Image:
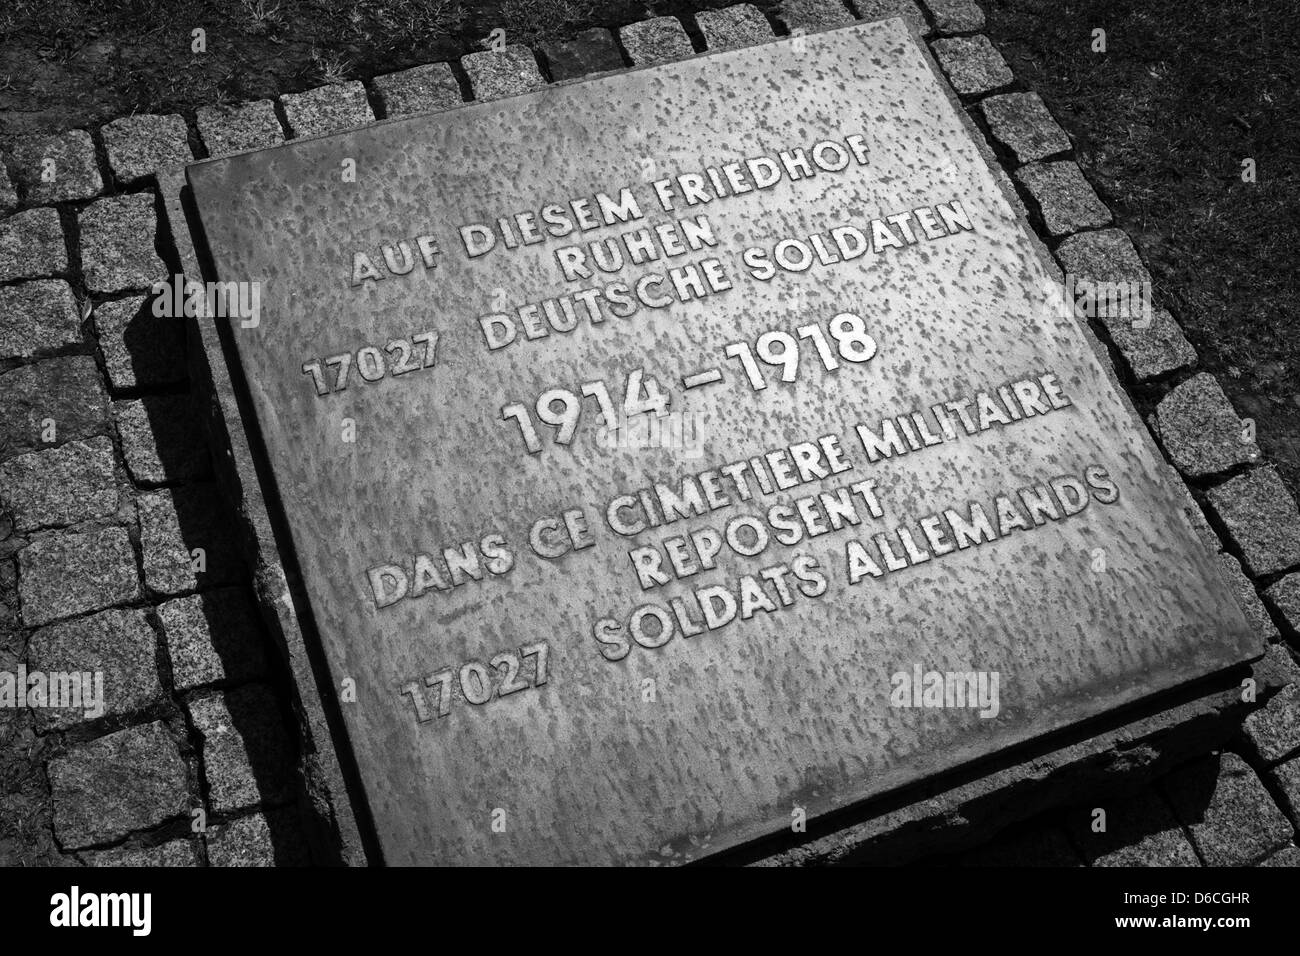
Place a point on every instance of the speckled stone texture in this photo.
(32, 245)
(733, 27)
(138, 145)
(171, 854)
(233, 129)
(327, 109)
(1286, 777)
(1284, 594)
(57, 168)
(65, 391)
(161, 439)
(1022, 124)
(591, 51)
(809, 15)
(130, 780)
(60, 485)
(1273, 731)
(213, 637)
(421, 89)
(261, 839)
(8, 193)
(1140, 830)
(1248, 599)
(1224, 805)
(1200, 430)
(1066, 201)
(37, 317)
(247, 756)
(119, 643)
(62, 573)
(972, 64)
(659, 40)
(1098, 258)
(1261, 517)
(1151, 350)
(117, 243)
(140, 349)
(955, 16)
(883, 9)
(494, 74)
(174, 523)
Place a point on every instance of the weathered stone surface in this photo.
(1287, 856)
(880, 9)
(1200, 524)
(1036, 845)
(1274, 729)
(1261, 517)
(972, 64)
(1286, 778)
(37, 317)
(494, 74)
(1150, 349)
(1140, 831)
(263, 839)
(138, 145)
(1248, 599)
(171, 854)
(60, 485)
(31, 245)
(161, 439)
(591, 51)
(68, 572)
(327, 109)
(1284, 595)
(1064, 197)
(955, 16)
(809, 15)
(174, 523)
(213, 637)
(365, 495)
(733, 27)
(1275, 669)
(118, 643)
(421, 89)
(233, 129)
(247, 756)
(1200, 429)
(140, 349)
(1021, 123)
(66, 392)
(117, 243)
(57, 168)
(8, 194)
(1229, 813)
(130, 780)
(658, 40)
(1105, 256)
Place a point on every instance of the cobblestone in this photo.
(1227, 810)
(60, 399)
(118, 643)
(213, 637)
(972, 64)
(63, 573)
(1284, 595)
(171, 854)
(137, 146)
(1261, 518)
(161, 440)
(60, 486)
(37, 317)
(421, 89)
(140, 349)
(58, 168)
(1151, 350)
(263, 839)
(1067, 202)
(955, 16)
(247, 756)
(883, 9)
(1022, 124)
(117, 243)
(174, 523)
(734, 27)
(233, 129)
(494, 74)
(327, 109)
(809, 15)
(32, 246)
(591, 51)
(1140, 831)
(130, 780)
(1200, 429)
(658, 40)
(1274, 730)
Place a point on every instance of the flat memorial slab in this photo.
(646, 442)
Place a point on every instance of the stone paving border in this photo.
(79, 368)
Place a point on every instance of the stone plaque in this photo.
(674, 455)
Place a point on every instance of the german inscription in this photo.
(673, 454)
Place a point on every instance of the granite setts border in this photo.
(132, 168)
